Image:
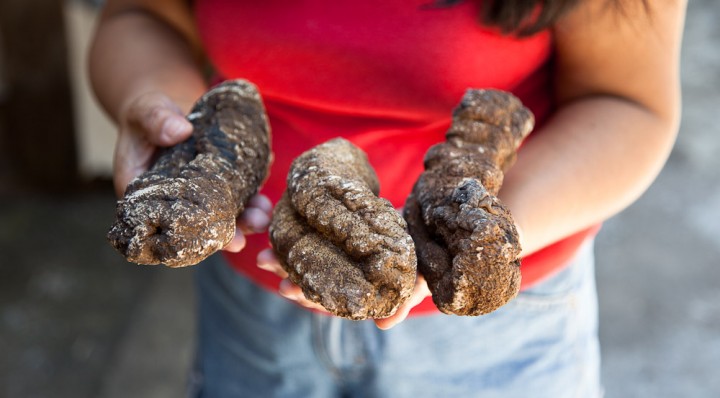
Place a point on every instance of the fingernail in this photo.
(286, 290)
(265, 256)
(384, 326)
(261, 202)
(287, 295)
(176, 127)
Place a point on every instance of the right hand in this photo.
(153, 120)
(147, 122)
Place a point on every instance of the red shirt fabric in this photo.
(384, 74)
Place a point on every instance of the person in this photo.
(601, 77)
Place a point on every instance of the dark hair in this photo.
(520, 17)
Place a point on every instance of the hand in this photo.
(149, 121)
(153, 120)
(266, 260)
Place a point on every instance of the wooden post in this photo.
(37, 130)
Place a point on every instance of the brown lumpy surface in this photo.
(184, 208)
(466, 240)
(344, 246)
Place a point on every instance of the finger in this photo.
(421, 287)
(521, 239)
(420, 292)
(402, 312)
(237, 243)
(253, 220)
(160, 118)
(267, 260)
(132, 156)
(290, 290)
(293, 292)
(391, 321)
(310, 304)
(175, 129)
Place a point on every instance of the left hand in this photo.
(266, 260)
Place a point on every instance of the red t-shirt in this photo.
(384, 74)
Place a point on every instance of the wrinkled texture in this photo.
(184, 208)
(344, 246)
(467, 244)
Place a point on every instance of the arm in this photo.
(618, 90)
(145, 68)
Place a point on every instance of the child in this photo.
(601, 77)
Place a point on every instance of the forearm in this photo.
(135, 53)
(591, 160)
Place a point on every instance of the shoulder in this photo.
(627, 49)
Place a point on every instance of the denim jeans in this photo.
(254, 343)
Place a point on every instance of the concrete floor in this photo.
(77, 321)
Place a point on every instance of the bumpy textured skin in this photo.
(466, 240)
(184, 208)
(346, 248)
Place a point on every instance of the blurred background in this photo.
(77, 321)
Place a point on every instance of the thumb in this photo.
(160, 118)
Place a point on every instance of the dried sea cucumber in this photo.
(344, 246)
(467, 244)
(184, 208)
